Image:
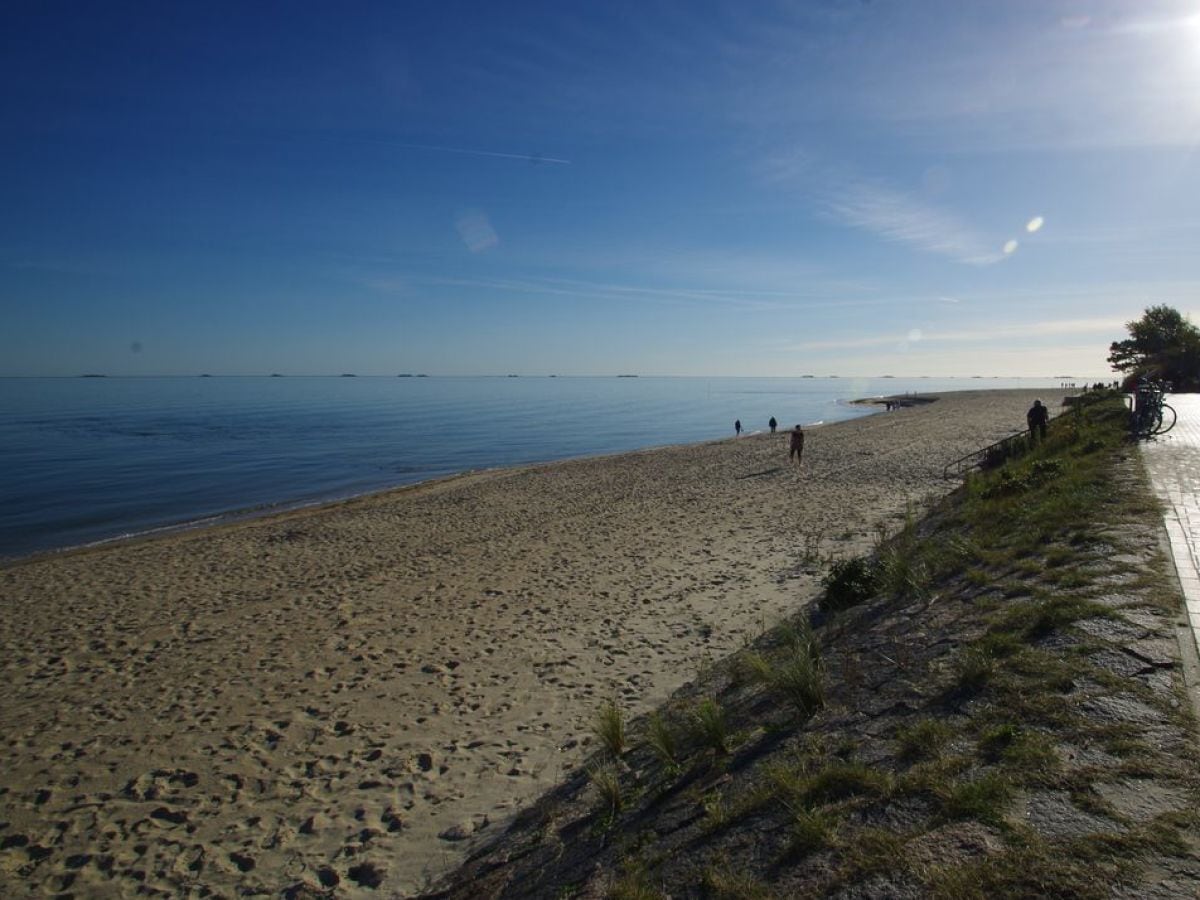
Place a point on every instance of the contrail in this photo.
(466, 152)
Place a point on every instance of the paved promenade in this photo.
(1173, 461)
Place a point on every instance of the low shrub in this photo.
(849, 582)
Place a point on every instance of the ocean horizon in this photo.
(91, 459)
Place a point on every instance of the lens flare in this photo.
(1034, 224)
(476, 231)
(1010, 247)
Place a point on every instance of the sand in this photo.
(353, 695)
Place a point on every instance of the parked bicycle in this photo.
(1150, 415)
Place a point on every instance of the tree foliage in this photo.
(1162, 344)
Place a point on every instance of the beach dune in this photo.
(348, 696)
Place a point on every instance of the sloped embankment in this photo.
(992, 705)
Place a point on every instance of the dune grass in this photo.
(609, 726)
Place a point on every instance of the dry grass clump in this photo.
(609, 727)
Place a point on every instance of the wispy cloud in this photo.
(979, 77)
(383, 284)
(898, 216)
(1153, 26)
(885, 211)
(749, 300)
(991, 332)
(465, 151)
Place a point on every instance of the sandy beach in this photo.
(348, 696)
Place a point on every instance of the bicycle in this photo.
(1150, 415)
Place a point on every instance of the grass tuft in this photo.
(984, 799)
(796, 672)
(848, 583)
(606, 782)
(923, 740)
(609, 727)
(724, 884)
(661, 737)
(976, 667)
(634, 885)
(840, 780)
(711, 726)
(811, 830)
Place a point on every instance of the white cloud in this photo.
(897, 216)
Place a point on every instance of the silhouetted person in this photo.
(737, 426)
(1037, 417)
(771, 424)
(796, 447)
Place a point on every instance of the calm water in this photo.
(87, 459)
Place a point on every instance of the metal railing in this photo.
(1016, 444)
(990, 456)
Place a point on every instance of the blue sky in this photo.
(701, 188)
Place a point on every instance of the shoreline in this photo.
(369, 686)
(289, 507)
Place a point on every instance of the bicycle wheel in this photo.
(1165, 420)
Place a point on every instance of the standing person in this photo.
(737, 426)
(796, 447)
(1037, 417)
(771, 424)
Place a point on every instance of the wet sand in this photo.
(351, 695)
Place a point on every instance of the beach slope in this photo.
(350, 695)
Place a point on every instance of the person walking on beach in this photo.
(796, 448)
(737, 426)
(771, 424)
(1037, 417)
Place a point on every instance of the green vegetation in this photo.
(722, 884)
(710, 725)
(840, 780)
(609, 727)
(635, 884)
(849, 583)
(1162, 344)
(985, 799)
(606, 782)
(975, 669)
(795, 672)
(812, 830)
(923, 740)
(663, 740)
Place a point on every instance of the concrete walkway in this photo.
(1173, 461)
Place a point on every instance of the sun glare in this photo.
(1034, 224)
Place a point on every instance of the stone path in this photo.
(1173, 461)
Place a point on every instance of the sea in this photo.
(92, 459)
